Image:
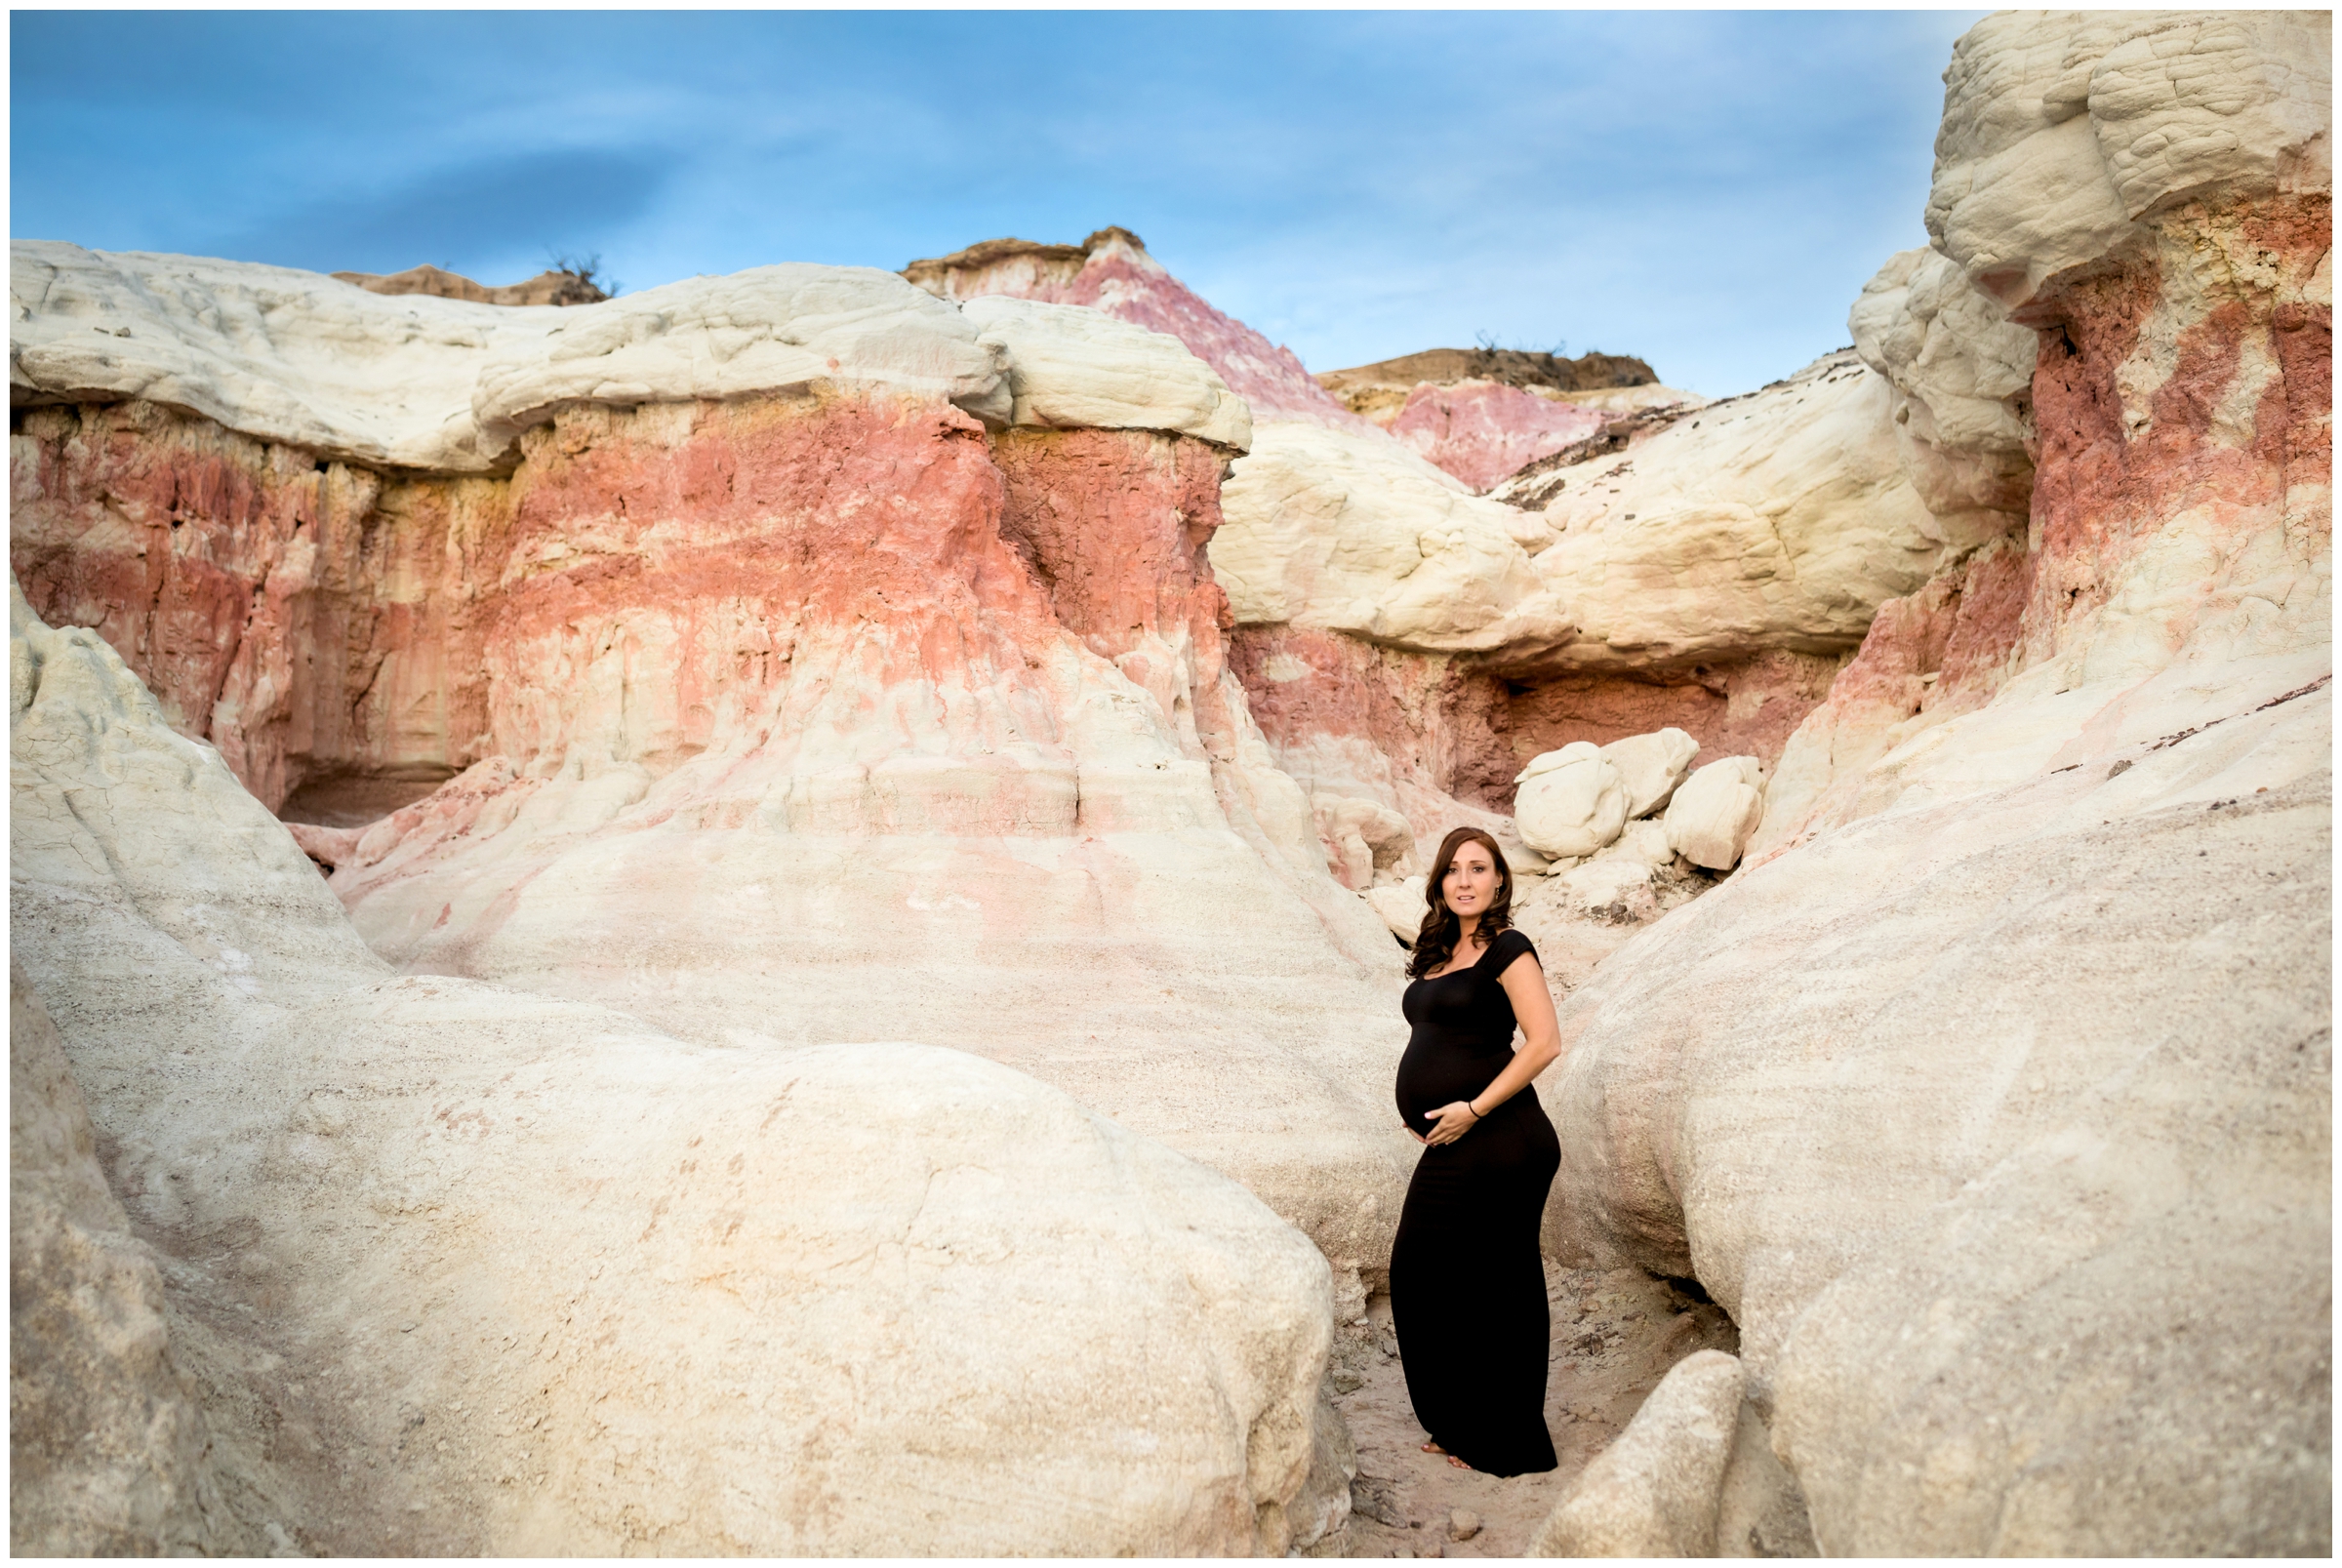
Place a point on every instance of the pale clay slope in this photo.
(618, 1276)
(445, 385)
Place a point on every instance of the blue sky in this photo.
(1706, 190)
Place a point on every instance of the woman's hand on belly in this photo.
(1449, 1122)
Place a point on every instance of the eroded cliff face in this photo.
(2030, 1255)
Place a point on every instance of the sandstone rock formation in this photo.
(1712, 816)
(522, 1275)
(1651, 766)
(1653, 1493)
(1994, 1099)
(916, 700)
(1572, 801)
(1483, 414)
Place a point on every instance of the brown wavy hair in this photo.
(1435, 942)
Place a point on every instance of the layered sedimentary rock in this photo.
(1995, 1105)
(869, 710)
(523, 1276)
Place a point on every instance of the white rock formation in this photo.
(1780, 519)
(1994, 1099)
(585, 1288)
(2062, 130)
(1653, 1492)
(1650, 766)
(1069, 367)
(1348, 530)
(1714, 813)
(1365, 841)
(1571, 802)
(1401, 905)
(445, 384)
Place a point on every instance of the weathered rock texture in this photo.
(1997, 1109)
(525, 1276)
(2151, 194)
(869, 712)
(109, 1454)
(1653, 1493)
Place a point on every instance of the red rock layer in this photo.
(1447, 725)
(2235, 437)
(2107, 477)
(642, 584)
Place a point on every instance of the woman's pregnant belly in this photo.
(1438, 1070)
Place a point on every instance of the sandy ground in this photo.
(1614, 1336)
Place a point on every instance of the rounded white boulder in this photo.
(1571, 802)
(1651, 766)
(1715, 811)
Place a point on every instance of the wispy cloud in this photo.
(1709, 189)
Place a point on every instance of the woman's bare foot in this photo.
(1457, 1463)
(1434, 1448)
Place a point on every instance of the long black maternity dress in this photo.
(1467, 1285)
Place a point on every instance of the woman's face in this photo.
(1470, 886)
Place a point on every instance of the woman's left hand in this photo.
(1455, 1119)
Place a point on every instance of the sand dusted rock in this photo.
(1571, 802)
(109, 1454)
(1714, 813)
(1781, 519)
(577, 1286)
(1653, 1492)
(1651, 766)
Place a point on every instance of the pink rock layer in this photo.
(1113, 273)
(1482, 433)
(642, 583)
(2109, 479)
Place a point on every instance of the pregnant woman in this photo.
(1467, 1284)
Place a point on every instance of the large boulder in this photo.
(1712, 816)
(1572, 802)
(1651, 766)
(549, 1282)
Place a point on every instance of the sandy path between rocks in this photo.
(1614, 1335)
